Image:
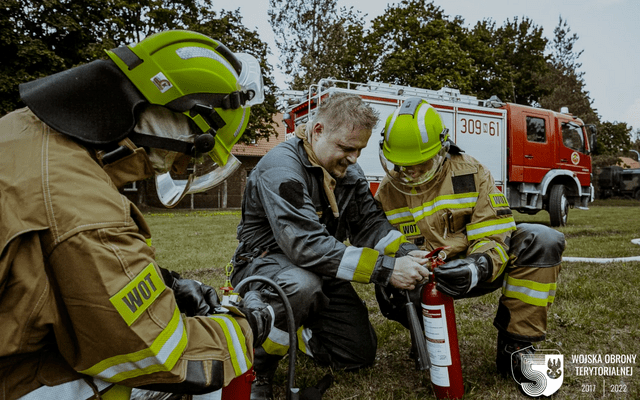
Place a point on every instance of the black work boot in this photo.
(262, 387)
(265, 366)
(509, 357)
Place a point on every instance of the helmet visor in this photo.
(250, 79)
(205, 175)
(414, 175)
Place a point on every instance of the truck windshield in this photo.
(572, 136)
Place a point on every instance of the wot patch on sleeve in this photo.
(498, 200)
(292, 192)
(133, 299)
(463, 184)
(410, 229)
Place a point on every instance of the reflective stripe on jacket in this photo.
(285, 210)
(461, 208)
(80, 292)
(80, 389)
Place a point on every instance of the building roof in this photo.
(262, 146)
(628, 163)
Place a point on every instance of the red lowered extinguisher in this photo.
(439, 319)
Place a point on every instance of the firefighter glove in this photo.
(393, 302)
(259, 314)
(456, 278)
(193, 298)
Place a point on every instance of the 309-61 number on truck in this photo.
(475, 126)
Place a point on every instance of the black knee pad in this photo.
(535, 245)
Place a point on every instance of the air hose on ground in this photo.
(604, 260)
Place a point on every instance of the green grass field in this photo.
(596, 310)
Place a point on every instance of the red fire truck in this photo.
(539, 158)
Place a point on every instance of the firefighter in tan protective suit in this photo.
(439, 196)
(86, 311)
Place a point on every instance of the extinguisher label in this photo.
(440, 376)
(435, 329)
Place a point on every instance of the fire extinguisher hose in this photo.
(418, 340)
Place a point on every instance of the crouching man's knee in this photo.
(535, 245)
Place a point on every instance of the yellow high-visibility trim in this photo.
(392, 248)
(236, 343)
(276, 349)
(117, 392)
(503, 257)
(399, 215)
(478, 245)
(366, 264)
(162, 355)
(301, 344)
(530, 300)
(449, 201)
(530, 292)
(488, 228)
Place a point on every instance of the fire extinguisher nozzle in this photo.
(418, 339)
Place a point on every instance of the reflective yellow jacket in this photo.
(460, 208)
(80, 291)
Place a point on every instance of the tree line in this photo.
(412, 43)
(415, 43)
(39, 38)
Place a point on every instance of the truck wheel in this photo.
(637, 195)
(558, 206)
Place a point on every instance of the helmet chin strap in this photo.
(202, 144)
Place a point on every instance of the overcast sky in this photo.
(608, 31)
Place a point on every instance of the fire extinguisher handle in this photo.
(418, 338)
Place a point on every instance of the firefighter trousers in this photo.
(528, 285)
(332, 321)
(528, 282)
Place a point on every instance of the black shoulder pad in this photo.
(293, 192)
(463, 184)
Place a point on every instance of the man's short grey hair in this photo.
(344, 110)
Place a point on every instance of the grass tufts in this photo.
(596, 310)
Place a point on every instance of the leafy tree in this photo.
(346, 56)
(486, 81)
(416, 44)
(316, 40)
(41, 38)
(224, 29)
(509, 60)
(613, 138)
(636, 141)
(565, 82)
(24, 55)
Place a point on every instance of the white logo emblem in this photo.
(161, 82)
(544, 371)
(575, 158)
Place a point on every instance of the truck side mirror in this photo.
(593, 133)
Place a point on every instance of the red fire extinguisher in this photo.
(439, 319)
